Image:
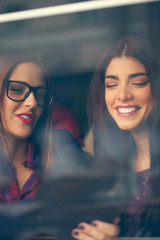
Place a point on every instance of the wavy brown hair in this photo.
(132, 46)
(112, 142)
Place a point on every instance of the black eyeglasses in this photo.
(19, 91)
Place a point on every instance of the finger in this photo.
(107, 228)
(91, 231)
(78, 234)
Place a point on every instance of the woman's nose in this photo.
(124, 93)
(30, 101)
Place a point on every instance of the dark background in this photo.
(70, 45)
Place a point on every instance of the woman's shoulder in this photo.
(62, 137)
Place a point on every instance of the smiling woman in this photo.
(125, 117)
(128, 93)
(25, 107)
(20, 116)
(25, 126)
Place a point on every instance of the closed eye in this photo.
(17, 90)
(111, 85)
(140, 83)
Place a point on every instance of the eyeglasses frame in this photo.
(31, 89)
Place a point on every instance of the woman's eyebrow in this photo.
(111, 76)
(137, 75)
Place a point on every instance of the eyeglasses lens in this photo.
(40, 96)
(17, 91)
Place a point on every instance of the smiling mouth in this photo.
(127, 110)
(26, 116)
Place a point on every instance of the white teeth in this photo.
(26, 117)
(127, 110)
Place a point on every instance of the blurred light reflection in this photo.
(67, 8)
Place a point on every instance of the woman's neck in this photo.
(142, 157)
(15, 150)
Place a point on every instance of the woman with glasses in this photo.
(125, 116)
(25, 131)
(25, 124)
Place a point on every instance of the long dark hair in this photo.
(139, 49)
(109, 140)
(41, 137)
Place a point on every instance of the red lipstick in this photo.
(26, 117)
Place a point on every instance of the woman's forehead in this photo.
(28, 72)
(125, 64)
